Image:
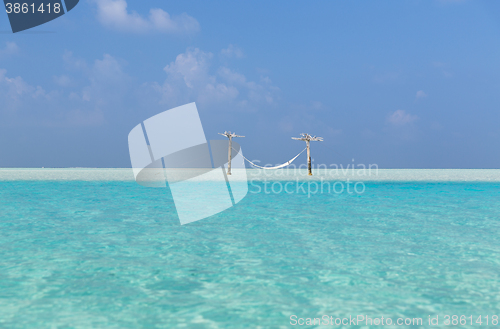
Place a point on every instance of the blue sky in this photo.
(403, 84)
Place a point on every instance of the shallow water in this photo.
(111, 254)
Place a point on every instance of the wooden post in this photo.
(230, 136)
(309, 157)
(229, 156)
(308, 138)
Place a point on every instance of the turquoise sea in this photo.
(92, 249)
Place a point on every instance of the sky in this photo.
(400, 84)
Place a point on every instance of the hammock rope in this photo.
(276, 167)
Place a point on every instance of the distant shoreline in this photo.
(381, 175)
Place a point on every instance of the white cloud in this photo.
(105, 71)
(73, 63)
(108, 69)
(179, 24)
(232, 51)
(114, 14)
(421, 94)
(62, 80)
(436, 126)
(22, 103)
(334, 132)
(450, 1)
(387, 77)
(217, 93)
(443, 67)
(16, 88)
(108, 83)
(286, 124)
(317, 105)
(307, 117)
(190, 78)
(11, 48)
(89, 92)
(400, 118)
(231, 76)
(103, 87)
(78, 117)
(191, 66)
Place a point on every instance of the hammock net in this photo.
(276, 167)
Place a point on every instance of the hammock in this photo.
(277, 167)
